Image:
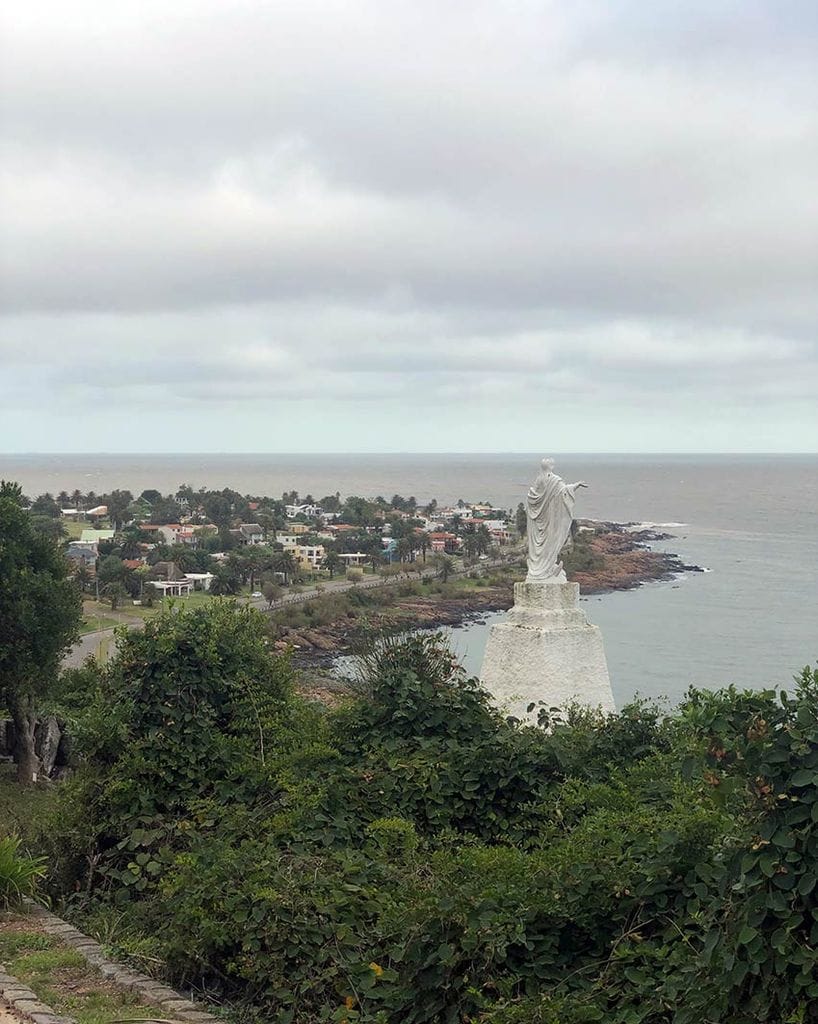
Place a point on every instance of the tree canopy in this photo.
(40, 611)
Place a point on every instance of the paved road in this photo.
(98, 642)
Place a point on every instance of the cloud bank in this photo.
(385, 226)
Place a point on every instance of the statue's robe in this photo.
(549, 507)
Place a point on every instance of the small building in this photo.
(498, 529)
(354, 558)
(170, 533)
(249, 534)
(83, 553)
(200, 580)
(444, 543)
(99, 512)
(309, 555)
(173, 588)
(167, 570)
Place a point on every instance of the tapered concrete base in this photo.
(546, 651)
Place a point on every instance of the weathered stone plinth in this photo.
(546, 651)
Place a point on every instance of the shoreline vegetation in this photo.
(603, 557)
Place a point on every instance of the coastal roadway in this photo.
(98, 643)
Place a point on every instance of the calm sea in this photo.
(751, 520)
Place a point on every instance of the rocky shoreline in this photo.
(627, 558)
(621, 560)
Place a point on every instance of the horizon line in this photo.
(395, 452)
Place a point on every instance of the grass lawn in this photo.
(74, 529)
(59, 976)
(93, 622)
(127, 610)
(95, 611)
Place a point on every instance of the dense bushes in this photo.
(415, 858)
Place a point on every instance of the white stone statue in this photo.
(549, 507)
(546, 653)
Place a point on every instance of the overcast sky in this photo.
(386, 226)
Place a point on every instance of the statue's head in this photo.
(548, 465)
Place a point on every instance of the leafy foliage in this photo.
(183, 714)
(414, 857)
(40, 612)
(19, 874)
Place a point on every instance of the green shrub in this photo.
(190, 708)
(393, 836)
(19, 874)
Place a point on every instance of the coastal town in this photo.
(136, 550)
(414, 562)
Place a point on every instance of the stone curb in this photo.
(17, 996)
(150, 991)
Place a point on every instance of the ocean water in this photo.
(752, 520)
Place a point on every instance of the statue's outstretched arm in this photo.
(579, 483)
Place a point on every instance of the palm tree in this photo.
(225, 582)
(257, 559)
(470, 542)
(284, 562)
(445, 567)
(404, 549)
(331, 562)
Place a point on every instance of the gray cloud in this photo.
(464, 207)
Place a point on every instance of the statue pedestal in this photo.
(546, 651)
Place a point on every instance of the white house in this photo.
(498, 528)
(203, 579)
(310, 511)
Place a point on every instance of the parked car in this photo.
(257, 593)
